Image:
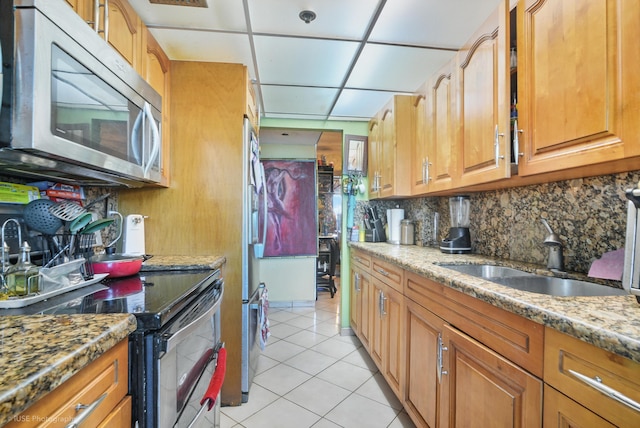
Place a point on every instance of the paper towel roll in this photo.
(394, 217)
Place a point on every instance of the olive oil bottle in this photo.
(22, 278)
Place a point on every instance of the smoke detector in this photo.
(307, 16)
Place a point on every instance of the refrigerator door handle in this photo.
(259, 248)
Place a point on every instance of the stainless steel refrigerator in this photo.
(253, 240)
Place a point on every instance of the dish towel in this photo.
(263, 318)
(609, 266)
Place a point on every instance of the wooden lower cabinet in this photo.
(577, 369)
(386, 345)
(453, 380)
(360, 292)
(423, 338)
(359, 300)
(105, 377)
(562, 412)
(456, 361)
(393, 340)
(480, 388)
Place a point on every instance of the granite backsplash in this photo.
(589, 214)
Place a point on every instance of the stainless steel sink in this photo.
(487, 271)
(533, 283)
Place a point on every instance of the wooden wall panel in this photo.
(200, 213)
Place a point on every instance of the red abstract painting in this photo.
(292, 211)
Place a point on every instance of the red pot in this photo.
(116, 265)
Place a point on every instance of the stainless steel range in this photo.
(176, 348)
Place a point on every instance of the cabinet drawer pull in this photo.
(86, 411)
(607, 390)
(382, 272)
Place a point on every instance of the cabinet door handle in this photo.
(381, 300)
(426, 167)
(86, 411)
(496, 145)
(96, 17)
(441, 348)
(356, 283)
(516, 142)
(607, 390)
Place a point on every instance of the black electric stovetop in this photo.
(153, 297)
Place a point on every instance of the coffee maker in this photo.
(458, 241)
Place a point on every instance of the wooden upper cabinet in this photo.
(433, 160)
(442, 131)
(577, 79)
(123, 32)
(121, 26)
(420, 155)
(395, 133)
(374, 158)
(387, 161)
(483, 109)
(156, 70)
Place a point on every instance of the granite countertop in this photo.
(40, 352)
(608, 322)
(163, 262)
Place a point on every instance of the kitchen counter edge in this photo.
(40, 352)
(608, 322)
(180, 262)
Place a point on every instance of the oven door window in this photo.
(87, 111)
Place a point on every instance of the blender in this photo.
(458, 240)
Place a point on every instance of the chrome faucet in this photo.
(555, 261)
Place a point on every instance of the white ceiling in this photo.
(344, 65)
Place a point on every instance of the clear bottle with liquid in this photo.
(23, 277)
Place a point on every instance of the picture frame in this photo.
(355, 155)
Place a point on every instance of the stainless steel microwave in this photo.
(72, 107)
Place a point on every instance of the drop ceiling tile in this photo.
(297, 100)
(359, 103)
(296, 61)
(335, 18)
(396, 68)
(192, 45)
(435, 23)
(221, 15)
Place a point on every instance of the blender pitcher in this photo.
(458, 240)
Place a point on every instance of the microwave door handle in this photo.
(135, 136)
(155, 140)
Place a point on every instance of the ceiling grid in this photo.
(345, 64)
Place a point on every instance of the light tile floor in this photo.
(310, 376)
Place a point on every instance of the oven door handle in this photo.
(172, 340)
(209, 399)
